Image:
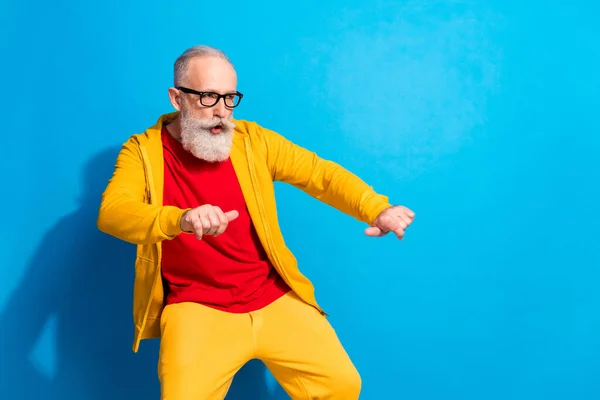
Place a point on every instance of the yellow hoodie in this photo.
(132, 206)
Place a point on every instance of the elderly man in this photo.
(214, 278)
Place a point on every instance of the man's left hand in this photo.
(394, 219)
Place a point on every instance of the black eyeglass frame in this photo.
(219, 96)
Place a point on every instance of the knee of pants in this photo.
(346, 384)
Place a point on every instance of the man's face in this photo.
(207, 129)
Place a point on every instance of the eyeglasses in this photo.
(210, 99)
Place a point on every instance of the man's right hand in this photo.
(206, 220)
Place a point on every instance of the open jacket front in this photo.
(132, 206)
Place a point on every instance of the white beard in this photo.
(197, 138)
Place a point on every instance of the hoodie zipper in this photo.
(151, 196)
(262, 214)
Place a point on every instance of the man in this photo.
(214, 278)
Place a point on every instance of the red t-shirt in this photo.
(230, 272)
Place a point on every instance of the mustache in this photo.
(208, 124)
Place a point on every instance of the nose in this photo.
(219, 109)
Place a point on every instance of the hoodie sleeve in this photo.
(322, 179)
(125, 212)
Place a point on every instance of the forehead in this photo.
(211, 73)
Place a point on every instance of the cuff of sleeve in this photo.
(170, 220)
(372, 205)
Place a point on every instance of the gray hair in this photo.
(183, 61)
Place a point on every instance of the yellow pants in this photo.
(202, 348)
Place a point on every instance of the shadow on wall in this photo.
(77, 293)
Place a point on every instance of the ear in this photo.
(175, 98)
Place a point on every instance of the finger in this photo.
(374, 231)
(393, 224)
(205, 223)
(231, 215)
(223, 221)
(404, 220)
(214, 222)
(399, 233)
(198, 228)
(398, 225)
(410, 213)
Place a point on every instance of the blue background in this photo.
(481, 116)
